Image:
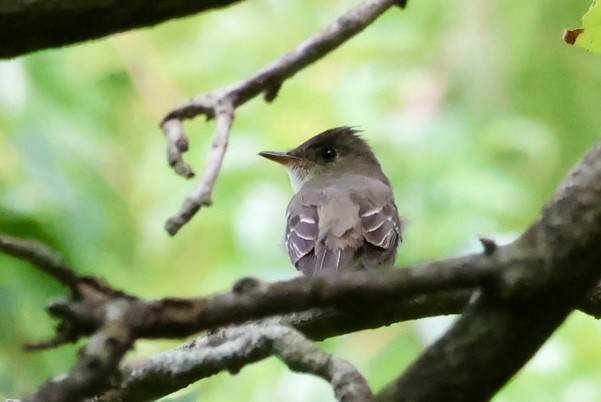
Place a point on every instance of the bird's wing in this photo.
(302, 228)
(328, 229)
(382, 228)
(314, 249)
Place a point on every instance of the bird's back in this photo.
(347, 223)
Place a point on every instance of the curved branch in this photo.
(202, 195)
(236, 347)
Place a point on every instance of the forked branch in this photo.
(222, 103)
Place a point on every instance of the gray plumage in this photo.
(343, 215)
(351, 227)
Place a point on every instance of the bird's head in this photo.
(334, 152)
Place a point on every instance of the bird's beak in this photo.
(283, 158)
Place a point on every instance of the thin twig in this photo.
(489, 245)
(42, 256)
(177, 144)
(201, 196)
(221, 103)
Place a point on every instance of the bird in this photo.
(342, 216)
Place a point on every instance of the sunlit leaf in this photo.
(589, 36)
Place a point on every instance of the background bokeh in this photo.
(476, 110)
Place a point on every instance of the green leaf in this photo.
(589, 36)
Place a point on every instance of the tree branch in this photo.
(97, 364)
(231, 349)
(251, 299)
(321, 323)
(95, 309)
(499, 333)
(223, 102)
(30, 25)
(159, 375)
(41, 256)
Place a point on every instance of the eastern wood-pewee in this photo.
(343, 214)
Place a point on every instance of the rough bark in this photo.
(556, 261)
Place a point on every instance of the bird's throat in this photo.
(298, 177)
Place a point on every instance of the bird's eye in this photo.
(328, 154)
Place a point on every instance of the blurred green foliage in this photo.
(477, 110)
